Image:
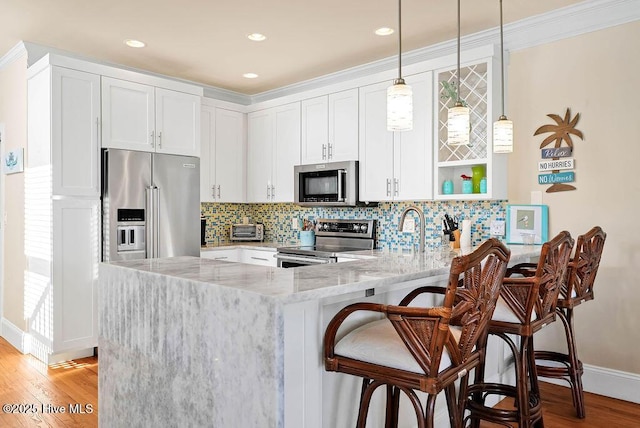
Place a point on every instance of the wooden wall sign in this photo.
(558, 154)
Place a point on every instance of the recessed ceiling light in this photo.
(250, 75)
(256, 37)
(384, 31)
(132, 43)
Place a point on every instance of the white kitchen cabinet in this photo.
(273, 148)
(76, 257)
(479, 87)
(396, 165)
(223, 148)
(63, 115)
(226, 255)
(62, 211)
(330, 128)
(259, 257)
(141, 117)
(251, 256)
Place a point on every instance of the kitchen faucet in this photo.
(422, 224)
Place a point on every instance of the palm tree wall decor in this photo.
(561, 133)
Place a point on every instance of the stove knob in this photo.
(325, 226)
(363, 228)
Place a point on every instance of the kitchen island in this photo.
(187, 341)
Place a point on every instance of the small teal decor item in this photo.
(12, 161)
(467, 184)
(307, 238)
(447, 187)
(483, 185)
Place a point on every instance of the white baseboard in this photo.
(24, 343)
(607, 382)
(16, 337)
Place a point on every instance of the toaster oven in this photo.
(247, 232)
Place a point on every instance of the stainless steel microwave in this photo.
(326, 184)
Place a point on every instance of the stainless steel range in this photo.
(332, 237)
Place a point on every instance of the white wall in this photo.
(13, 113)
(595, 75)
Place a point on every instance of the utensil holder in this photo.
(307, 238)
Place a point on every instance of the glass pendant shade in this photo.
(458, 125)
(503, 135)
(399, 106)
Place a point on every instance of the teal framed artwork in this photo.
(527, 224)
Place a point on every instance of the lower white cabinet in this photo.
(259, 257)
(61, 278)
(76, 256)
(251, 256)
(227, 255)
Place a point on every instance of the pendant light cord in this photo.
(400, 40)
(458, 71)
(502, 58)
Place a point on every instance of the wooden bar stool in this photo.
(577, 289)
(526, 305)
(415, 348)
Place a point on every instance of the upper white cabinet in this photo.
(63, 116)
(330, 127)
(396, 165)
(223, 154)
(478, 88)
(141, 117)
(273, 148)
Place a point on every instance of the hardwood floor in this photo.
(25, 380)
(37, 391)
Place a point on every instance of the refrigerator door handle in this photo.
(156, 221)
(152, 205)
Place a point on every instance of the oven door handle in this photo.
(341, 173)
(309, 260)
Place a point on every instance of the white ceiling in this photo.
(205, 40)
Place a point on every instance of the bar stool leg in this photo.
(575, 365)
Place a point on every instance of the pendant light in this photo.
(503, 127)
(399, 95)
(458, 118)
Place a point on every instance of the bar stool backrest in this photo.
(583, 268)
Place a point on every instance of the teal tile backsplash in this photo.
(277, 219)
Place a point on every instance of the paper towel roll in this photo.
(465, 236)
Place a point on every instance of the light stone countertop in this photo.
(370, 269)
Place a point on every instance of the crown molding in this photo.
(14, 53)
(570, 21)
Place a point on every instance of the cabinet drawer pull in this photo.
(218, 191)
(396, 186)
(260, 258)
(160, 139)
(388, 187)
(153, 138)
(330, 152)
(324, 152)
(220, 258)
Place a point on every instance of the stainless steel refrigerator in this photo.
(150, 205)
